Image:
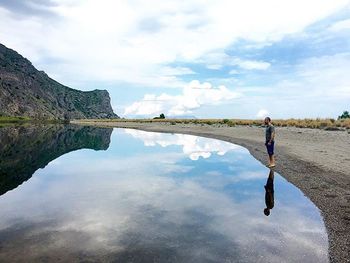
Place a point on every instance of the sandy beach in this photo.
(314, 160)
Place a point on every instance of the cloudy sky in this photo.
(203, 58)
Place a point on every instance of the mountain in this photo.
(25, 91)
(20, 157)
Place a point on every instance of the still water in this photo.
(87, 194)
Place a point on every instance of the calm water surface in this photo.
(70, 193)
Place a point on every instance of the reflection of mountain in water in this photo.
(25, 149)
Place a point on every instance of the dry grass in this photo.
(301, 123)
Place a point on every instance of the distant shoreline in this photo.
(318, 123)
(316, 161)
(19, 120)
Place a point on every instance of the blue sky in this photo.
(209, 59)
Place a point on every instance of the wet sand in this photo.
(314, 160)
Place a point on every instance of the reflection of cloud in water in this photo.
(138, 209)
(102, 207)
(193, 146)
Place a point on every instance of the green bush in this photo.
(345, 115)
(161, 116)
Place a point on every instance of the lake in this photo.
(87, 194)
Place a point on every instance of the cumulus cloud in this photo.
(325, 76)
(319, 84)
(120, 44)
(340, 25)
(251, 64)
(132, 42)
(233, 72)
(194, 95)
(219, 59)
(262, 113)
(175, 71)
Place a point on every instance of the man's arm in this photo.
(272, 135)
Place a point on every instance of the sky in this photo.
(201, 58)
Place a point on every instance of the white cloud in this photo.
(214, 66)
(319, 84)
(218, 59)
(325, 76)
(340, 25)
(193, 96)
(262, 113)
(176, 71)
(233, 72)
(251, 64)
(132, 41)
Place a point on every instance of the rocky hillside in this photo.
(25, 91)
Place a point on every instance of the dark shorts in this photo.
(270, 148)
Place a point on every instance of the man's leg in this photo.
(271, 154)
(272, 159)
(268, 153)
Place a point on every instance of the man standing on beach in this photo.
(270, 141)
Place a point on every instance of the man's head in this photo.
(267, 120)
(267, 211)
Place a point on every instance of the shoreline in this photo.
(315, 161)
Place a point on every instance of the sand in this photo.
(314, 160)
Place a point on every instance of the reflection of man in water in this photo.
(269, 197)
(270, 141)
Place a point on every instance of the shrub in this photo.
(345, 115)
(161, 116)
(225, 121)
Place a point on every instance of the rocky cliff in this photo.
(25, 91)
